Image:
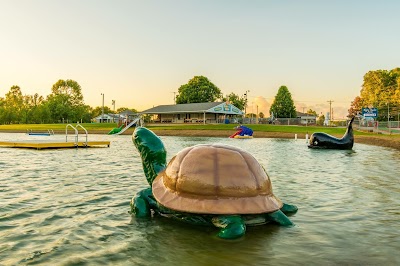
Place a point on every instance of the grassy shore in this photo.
(220, 130)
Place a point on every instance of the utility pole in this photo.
(245, 102)
(113, 103)
(102, 110)
(330, 111)
(257, 115)
(174, 97)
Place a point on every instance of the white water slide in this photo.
(128, 126)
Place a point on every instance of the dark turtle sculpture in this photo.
(320, 140)
(216, 185)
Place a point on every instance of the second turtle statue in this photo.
(216, 185)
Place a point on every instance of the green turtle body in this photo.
(215, 185)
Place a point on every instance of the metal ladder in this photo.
(76, 134)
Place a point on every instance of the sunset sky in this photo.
(139, 53)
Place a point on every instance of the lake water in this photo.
(70, 207)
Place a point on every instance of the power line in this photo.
(295, 100)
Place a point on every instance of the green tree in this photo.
(320, 120)
(98, 111)
(66, 101)
(122, 109)
(251, 115)
(312, 112)
(27, 106)
(356, 107)
(283, 105)
(198, 90)
(86, 113)
(2, 110)
(237, 101)
(380, 89)
(44, 114)
(13, 105)
(36, 109)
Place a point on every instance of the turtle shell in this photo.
(215, 179)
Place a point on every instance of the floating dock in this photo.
(48, 144)
(56, 144)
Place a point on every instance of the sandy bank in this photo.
(379, 140)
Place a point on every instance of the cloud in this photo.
(339, 111)
(261, 103)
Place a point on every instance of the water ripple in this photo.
(63, 207)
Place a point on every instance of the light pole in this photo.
(257, 116)
(252, 112)
(330, 111)
(245, 102)
(174, 97)
(113, 103)
(102, 110)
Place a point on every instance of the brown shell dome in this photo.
(215, 179)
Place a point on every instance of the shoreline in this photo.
(376, 140)
(381, 140)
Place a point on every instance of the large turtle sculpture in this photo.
(216, 185)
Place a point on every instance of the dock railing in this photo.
(76, 133)
(79, 125)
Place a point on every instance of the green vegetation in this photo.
(283, 105)
(259, 128)
(236, 100)
(198, 90)
(64, 105)
(381, 90)
(94, 128)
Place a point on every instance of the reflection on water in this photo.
(71, 207)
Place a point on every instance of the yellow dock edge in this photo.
(53, 145)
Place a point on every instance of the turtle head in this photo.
(152, 152)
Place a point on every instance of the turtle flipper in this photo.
(289, 209)
(232, 226)
(279, 217)
(142, 203)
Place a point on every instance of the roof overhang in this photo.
(225, 108)
(222, 108)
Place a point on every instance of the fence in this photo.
(379, 127)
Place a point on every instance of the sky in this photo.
(139, 53)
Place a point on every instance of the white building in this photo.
(109, 118)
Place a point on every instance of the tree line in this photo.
(200, 89)
(64, 104)
(381, 90)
